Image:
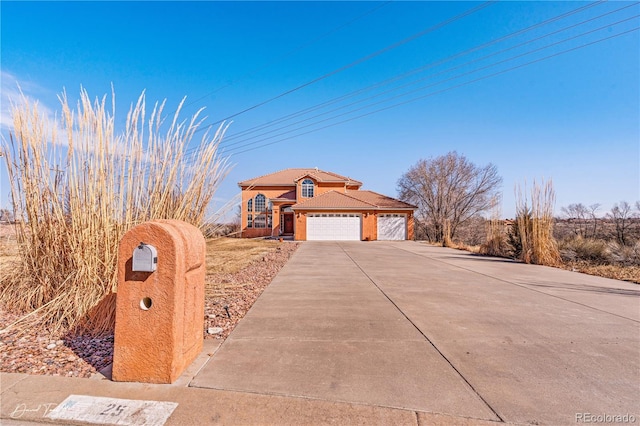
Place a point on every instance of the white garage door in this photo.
(392, 226)
(333, 226)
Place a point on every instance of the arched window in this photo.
(250, 205)
(307, 188)
(261, 204)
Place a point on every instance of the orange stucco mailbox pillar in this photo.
(160, 301)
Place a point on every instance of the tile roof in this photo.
(291, 176)
(382, 201)
(289, 195)
(334, 199)
(368, 200)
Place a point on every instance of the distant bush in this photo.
(587, 249)
(626, 255)
(496, 243)
(599, 251)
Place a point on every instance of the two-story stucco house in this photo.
(312, 204)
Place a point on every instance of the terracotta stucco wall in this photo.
(369, 226)
(410, 226)
(301, 226)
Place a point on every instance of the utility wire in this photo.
(431, 76)
(414, 71)
(290, 53)
(350, 65)
(238, 150)
(424, 67)
(358, 61)
(446, 89)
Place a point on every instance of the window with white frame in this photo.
(260, 221)
(260, 203)
(307, 188)
(262, 217)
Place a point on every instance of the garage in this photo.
(333, 226)
(392, 226)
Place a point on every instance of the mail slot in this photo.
(145, 258)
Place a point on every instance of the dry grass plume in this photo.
(535, 225)
(78, 185)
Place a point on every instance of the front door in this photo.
(288, 223)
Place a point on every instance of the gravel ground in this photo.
(228, 298)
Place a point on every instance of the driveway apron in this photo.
(402, 324)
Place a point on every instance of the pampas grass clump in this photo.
(78, 186)
(534, 223)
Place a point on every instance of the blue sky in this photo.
(559, 101)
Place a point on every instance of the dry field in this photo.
(229, 255)
(8, 247)
(617, 272)
(238, 270)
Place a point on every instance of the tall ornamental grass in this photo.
(78, 185)
(496, 240)
(534, 221)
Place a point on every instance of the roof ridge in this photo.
(272, 173)
(315, 198)
(261, 176)
(292, 175)
(307, 172)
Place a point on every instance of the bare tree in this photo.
(577, 215)
(621, 214)
(6, 215)
(594, 218)
(449, 190)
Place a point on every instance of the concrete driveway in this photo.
(406, 325)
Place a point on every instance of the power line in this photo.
(434, 75)
(358, 61)
(291, 52)
(350, 65)
(415, 71)
(238, 150)
(422, 68)
(446, 89)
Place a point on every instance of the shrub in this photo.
(586, 249)
(496, 243)
(626, 255)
